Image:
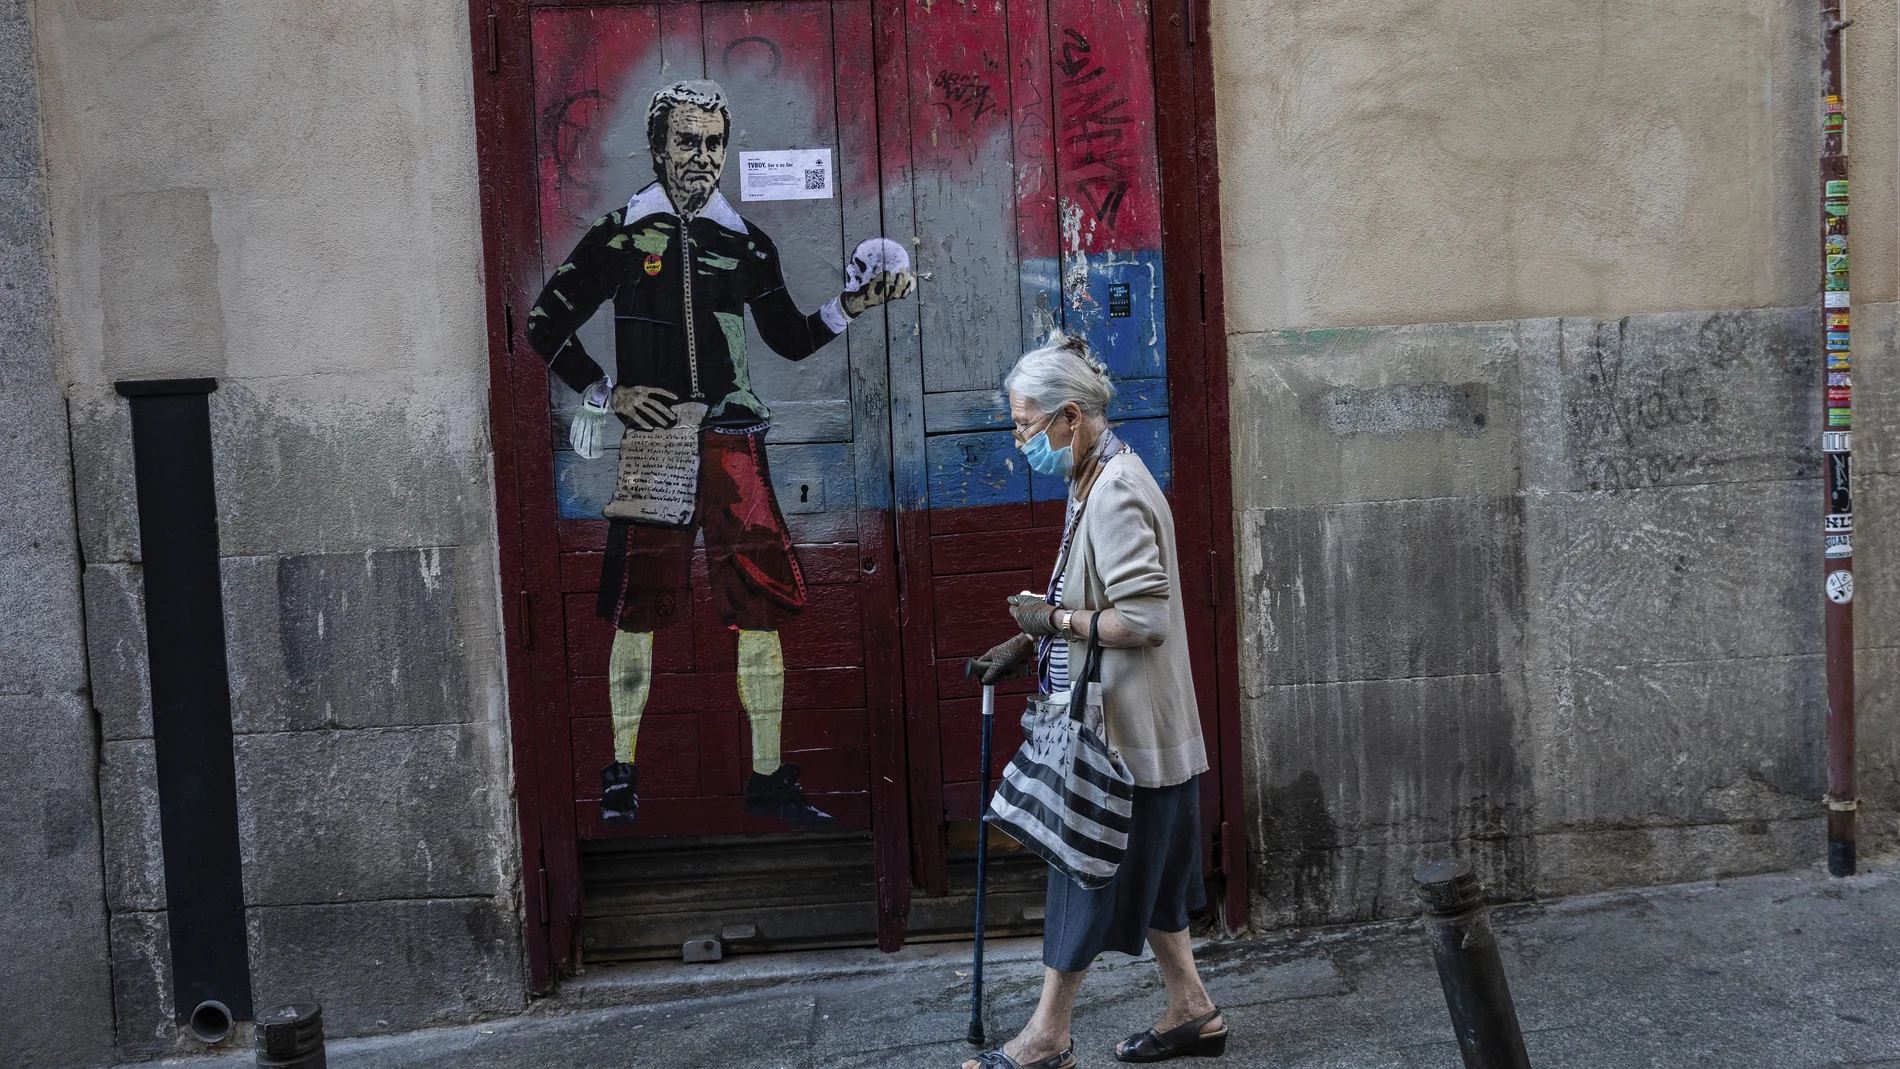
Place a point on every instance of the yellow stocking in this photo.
(762, 692)
(629, 680)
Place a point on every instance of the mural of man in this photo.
(681, 267)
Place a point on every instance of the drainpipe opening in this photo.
(210, 1022)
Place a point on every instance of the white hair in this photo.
(1063, 370)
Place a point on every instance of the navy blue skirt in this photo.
(1157, 886)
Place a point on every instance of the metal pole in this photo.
(1469, 969)
(291, 1037)
(982, 869)
(1837, 459)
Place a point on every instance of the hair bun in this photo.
(1078, 346)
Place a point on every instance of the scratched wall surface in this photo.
(290, 205)
(1548, 599)
(1526, 427)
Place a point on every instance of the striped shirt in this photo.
(1055, 651)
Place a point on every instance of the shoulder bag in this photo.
(1066, 796)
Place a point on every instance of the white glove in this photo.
(587, 431)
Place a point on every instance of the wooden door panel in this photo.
(810, 688)
(595, 70)
(589, 638)
(674, 735)
(1032, 154)
(963, 752)
(1014, 146)
(967, 609)
(953, 554)
(723, 815)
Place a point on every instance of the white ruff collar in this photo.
(653, 199)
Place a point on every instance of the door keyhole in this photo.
(804, 492)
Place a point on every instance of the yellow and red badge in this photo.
(653, 263)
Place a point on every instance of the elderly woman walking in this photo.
(1117, 576)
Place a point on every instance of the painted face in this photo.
(695, 156)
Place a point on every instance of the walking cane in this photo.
(982, 858)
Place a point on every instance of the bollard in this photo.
(291, 1037)
(1469, 969)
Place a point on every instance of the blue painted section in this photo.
(1139, 399)
(582, 487)
(1149, 437)
(1134, 346)
(808, 478)
(971, 470)
(977, 468)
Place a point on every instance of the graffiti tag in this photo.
(1094, 115)
(967, 94)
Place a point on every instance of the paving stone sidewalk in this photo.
(1785, 971)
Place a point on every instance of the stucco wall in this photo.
(1526, 385)
(1406, 161)
(283, 196)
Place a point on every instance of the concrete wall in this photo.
(56, 975)
(1526, 376)
(283, 195)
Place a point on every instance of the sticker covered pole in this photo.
(1837, 457)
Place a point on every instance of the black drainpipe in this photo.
(191, 702)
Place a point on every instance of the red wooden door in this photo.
(797, 76)
(595, 69)
(1016, 147)
(1024, 136)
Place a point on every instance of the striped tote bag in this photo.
(1066, 796)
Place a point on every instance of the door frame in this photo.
(527, 536)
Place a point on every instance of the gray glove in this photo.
(1006, 661)
(1035, 616)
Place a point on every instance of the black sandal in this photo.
(1183, 1041)
(996, 1059)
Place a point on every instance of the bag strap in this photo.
(1069, 528)
(1091, 671)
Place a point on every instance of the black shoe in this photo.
(618, 803)
(779, 795)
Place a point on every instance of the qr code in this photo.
(814, 178)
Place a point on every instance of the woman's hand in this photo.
(1006, 661)
(1035, 616)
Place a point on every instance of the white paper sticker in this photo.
(787, 174)
(1836, 298)
(1840, 587)
(1837, 441)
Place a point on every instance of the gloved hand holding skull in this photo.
(879, 271)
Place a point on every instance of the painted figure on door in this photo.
(681, 266)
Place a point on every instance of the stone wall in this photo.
(57, 976)
(1526, 395)
(284, 197)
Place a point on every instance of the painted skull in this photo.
(872, 256)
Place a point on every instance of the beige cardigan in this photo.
(1122, 556)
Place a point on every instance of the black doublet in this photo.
(637, 263)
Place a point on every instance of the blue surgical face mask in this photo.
(1048, 461)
